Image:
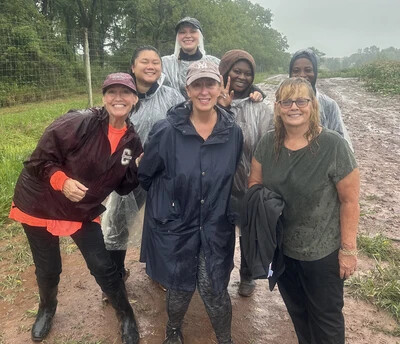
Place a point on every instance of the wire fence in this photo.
(33, 69)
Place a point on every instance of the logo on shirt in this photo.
(126, 156)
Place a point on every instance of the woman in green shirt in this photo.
(314, 170)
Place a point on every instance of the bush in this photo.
(382, 76)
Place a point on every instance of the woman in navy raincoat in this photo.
(188, 167)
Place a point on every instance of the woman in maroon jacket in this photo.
(81, 157)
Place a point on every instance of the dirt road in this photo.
(374, 125)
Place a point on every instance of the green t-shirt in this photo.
(306, 179)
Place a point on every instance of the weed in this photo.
(11, 282)
(378, 247)
(380, 286)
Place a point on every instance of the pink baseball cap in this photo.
(123, 79)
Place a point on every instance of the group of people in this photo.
(208, 137)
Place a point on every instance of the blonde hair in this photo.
(286, 89)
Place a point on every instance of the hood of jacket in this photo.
(179, 114)
(309, 55)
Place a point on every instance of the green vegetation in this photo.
(343, 73)
(42, 41)
(382, 76)
(380, 286)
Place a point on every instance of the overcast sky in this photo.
(336, 27)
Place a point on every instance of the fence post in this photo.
(87, 65)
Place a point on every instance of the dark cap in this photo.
(123, 79)
(202, 69)
(188, 20)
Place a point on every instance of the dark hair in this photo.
(138, 50)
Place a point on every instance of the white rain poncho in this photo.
(331, 116)
(255, 119)
(120, 223)
(175, 70)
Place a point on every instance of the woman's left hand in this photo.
(347, 264)
(256, 97)
(226, 97)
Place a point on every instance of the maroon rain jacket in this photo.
(77, 144)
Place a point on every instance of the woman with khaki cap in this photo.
(188, 168)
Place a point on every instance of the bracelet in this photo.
(346, 252)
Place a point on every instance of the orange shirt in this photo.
(63, 227)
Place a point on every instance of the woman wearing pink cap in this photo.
(80, 159)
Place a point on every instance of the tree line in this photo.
(42, 40)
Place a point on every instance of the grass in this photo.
(380, 286)
(344, 73)
(20, 129)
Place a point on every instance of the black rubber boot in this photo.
(173, 336)
(119, 300)
(45, 314)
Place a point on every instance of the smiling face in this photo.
(118, 101)
(241, 76)
(147, 68)
(303, 68)
(188, 38)
(295, 116)
(204, 93)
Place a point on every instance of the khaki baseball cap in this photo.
(202, 69)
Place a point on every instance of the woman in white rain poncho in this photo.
(189, 47)
(155, 100)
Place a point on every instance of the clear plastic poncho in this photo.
(175, 70)
(121, 223)
(255, 119)
(331, 116)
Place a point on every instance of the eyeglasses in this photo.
(300, 102)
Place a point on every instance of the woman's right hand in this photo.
(74, 190)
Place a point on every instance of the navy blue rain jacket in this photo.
(189, 183)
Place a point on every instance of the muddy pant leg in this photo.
(118, 257)
(89, 240)
(318, 297)
(218, 305)
(45, 249)
(177, 306)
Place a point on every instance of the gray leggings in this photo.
(218, 305)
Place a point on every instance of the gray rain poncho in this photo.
(175, 69)
(120, 219)
(331, 116)
(255, 119)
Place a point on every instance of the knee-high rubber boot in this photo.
(45, 314)
(119, 300)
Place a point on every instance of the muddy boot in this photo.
(173, 336)
(126, 274)
(119, 300)
(45, 314)
(246, 286)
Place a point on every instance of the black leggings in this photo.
(218, 305)
(45, 249)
